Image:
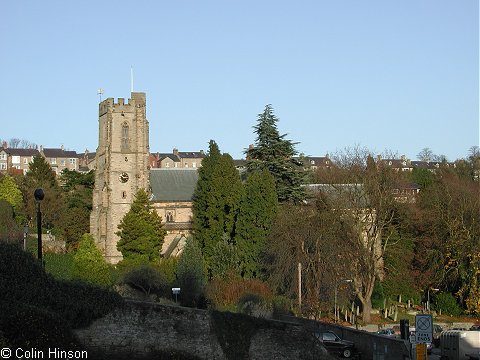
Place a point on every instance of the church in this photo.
(122, 168)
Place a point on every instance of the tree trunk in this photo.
(367, 309)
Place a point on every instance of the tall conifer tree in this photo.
(216, 200)
(141, 231)
(257, 211)
(276, 154)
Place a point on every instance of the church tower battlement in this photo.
(121, 167)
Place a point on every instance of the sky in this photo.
(395, 76)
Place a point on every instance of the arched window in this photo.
(125, 141)
(169, 216)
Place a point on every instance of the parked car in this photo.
(386, 332)
(475, 327)
(335, 345)
(437, 331)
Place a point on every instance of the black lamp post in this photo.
(39, 194)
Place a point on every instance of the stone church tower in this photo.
(121, 168)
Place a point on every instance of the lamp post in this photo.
(335, 300)
(39, 194)
(428, 297)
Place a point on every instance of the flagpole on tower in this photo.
(100, 92)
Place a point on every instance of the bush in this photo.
(168, 268)
(23, 280)
(253, 305)
(447, 304)
(89, 264)
(226, 294)
(26, 325)
(281, 306)
(59, 265)
(378, 296)
(148, 280)
(192, 276)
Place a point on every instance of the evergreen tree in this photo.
(192, 275)
(41, 175)
(89, 264)
(224, 259)
(77, 189)
(257, 211)
(216, 200)
(41, 171)
(276, 154)
(141, 231)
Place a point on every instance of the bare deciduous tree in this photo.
(363, 190)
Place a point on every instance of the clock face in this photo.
(123, 177)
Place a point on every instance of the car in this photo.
(386, 332)
(437, 331)
(335, 345)
(475, 327)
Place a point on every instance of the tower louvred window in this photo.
(125, 130)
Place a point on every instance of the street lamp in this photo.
(336, 289)
(428, 297)
(39, 194)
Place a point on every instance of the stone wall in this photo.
(139, 329)
(371, 346)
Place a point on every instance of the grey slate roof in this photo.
(173, 157)
(59, 153)
(22, 152)
(173, 184)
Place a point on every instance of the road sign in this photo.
(424, 328)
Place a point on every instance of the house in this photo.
(402, 164)
(60, 159)
(16, 161)
(177, 159)
(317, 162)
(86, 161)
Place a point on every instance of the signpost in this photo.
(175, 292)
(424, 328)
(423, 334)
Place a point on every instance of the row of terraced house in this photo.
(17, 160)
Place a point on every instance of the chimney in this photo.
(41, 148)
(175, 151)
(61, 147)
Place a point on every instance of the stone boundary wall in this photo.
(138, 329)
(372, 346)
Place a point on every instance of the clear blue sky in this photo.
(396, 75)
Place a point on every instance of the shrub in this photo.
(447, 304)
(147, 279)
(192, 276)
(227, 293)
(24, 280)
(59, 265)
(168, 268)
(26, 325)
(378, 295)
(89, 264)
(252, 304)
(281, 306)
